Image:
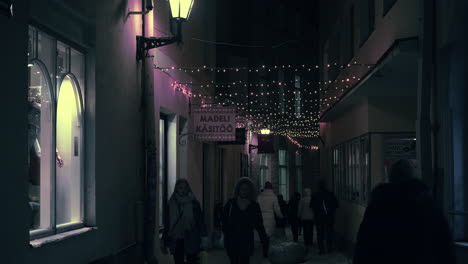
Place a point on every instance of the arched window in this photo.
(69, 137)
(40, 145)
(55, 135)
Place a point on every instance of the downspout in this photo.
(425, 87)
(438, 191)
(149, 160)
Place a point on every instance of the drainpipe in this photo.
(149, 147)
(425, 88)
(437, 173)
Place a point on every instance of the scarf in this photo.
(181, 215)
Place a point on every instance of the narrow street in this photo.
(155, 131)
(312, 257)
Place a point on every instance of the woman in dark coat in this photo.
(184, 225)
(241, 215)
(294, 221)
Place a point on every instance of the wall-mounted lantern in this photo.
(180, 10)
(265, 131)
(6, 8)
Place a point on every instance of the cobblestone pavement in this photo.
(219, 256)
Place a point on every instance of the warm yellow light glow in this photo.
(265, 131)
(181, 8)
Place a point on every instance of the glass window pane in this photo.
(69, 154)
(78, 66)
(32, 41)
(62, 59)
(40, 144)
(282, 157)
(47, 48)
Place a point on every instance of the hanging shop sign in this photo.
(215, 124)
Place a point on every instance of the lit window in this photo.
(283, 178)
(264, 176)
(162, 188)
(55, 158)
(351, 170)
(298, 172)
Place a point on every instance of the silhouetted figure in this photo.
(293, 209)
(282, 222)
(402, 225)
(241, 215)
(218, 214)
(324, 205)
(184, 225)
(217, 235)
(307, 217)
(270, 208)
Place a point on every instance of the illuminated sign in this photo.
(215, 124)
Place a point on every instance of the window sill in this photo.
(36, 243)
(461, 244)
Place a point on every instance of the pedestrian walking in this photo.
(293, 218)
(306, 215)
(282, 222)
(270, 208)
(241, 215)
(402, 224)
(185, 227)
(324, 205)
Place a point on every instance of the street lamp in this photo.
(265, 131)
(180, 10)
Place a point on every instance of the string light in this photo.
(194, 69)
(263, 106)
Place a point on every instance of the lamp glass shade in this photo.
(265, 131)
(181, 9)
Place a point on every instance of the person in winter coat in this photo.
(282, 222)
(293, 218)
(241, 215)
(184, 225)
(306, 216)
(270, 208)
(324, 205)
(402, 225)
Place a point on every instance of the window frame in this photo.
(163, 210)
(54, 85)
(351, 169)
(283, 166)
(299, 177)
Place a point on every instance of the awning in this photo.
(396, 74)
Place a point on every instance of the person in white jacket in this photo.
(269, 205)
(306, 216)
